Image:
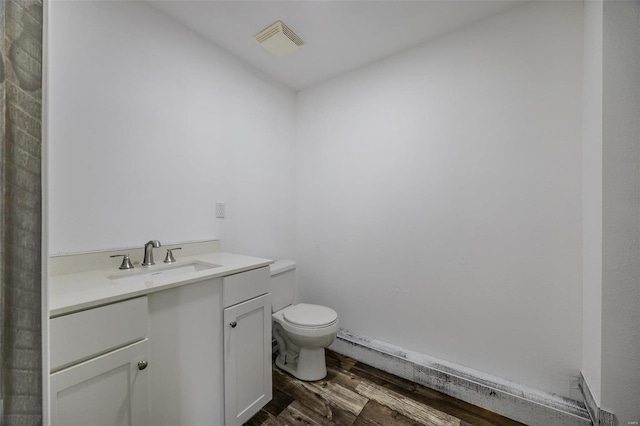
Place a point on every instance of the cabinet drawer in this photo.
(81, 335)
(244, 286)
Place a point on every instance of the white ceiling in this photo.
(340, 35)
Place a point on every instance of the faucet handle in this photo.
(126, 262)
(170, 258)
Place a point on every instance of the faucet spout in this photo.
(148, 252)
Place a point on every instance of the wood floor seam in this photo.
(416, 411)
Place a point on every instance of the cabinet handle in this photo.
(142, 365)
(233, 324)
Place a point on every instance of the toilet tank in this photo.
(283, 284)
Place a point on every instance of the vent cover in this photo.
(279, 39)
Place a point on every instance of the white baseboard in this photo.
(598, 415)
(512, 400)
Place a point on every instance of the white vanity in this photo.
(191, 347)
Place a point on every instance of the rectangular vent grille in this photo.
(279, 39)
(291, 35)
(268, 33)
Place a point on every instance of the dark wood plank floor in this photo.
(357, 394)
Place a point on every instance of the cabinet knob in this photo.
(233, 324)
(142, 365)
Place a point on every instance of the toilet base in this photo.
(309, 366)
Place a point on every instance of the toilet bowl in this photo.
(301, 330)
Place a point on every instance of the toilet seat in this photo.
(307, 315)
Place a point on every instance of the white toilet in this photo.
(302, 331)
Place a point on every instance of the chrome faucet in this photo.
(148, 252)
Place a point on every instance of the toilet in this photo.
(303, 330)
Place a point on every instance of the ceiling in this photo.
(340, 36)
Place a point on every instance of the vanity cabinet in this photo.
(195, 354)
(98, 375)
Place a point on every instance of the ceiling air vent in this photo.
(279, 39)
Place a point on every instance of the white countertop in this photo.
(84, 290)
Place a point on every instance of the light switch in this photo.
(220, 210)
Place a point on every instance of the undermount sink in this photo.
(160, 272)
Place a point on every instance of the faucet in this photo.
(148, 252)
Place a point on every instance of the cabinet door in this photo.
(247, 359)
(108, 390)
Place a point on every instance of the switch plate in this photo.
(220, 210)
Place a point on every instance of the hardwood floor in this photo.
(357, 394)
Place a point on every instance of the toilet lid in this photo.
(310, 315)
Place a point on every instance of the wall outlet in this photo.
(220, 210)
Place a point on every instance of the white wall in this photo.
(439, 196)
(621, 212)
(592, 198)
(150, 125)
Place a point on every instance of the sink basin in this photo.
(159, 272)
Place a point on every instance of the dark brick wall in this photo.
(20, 212)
